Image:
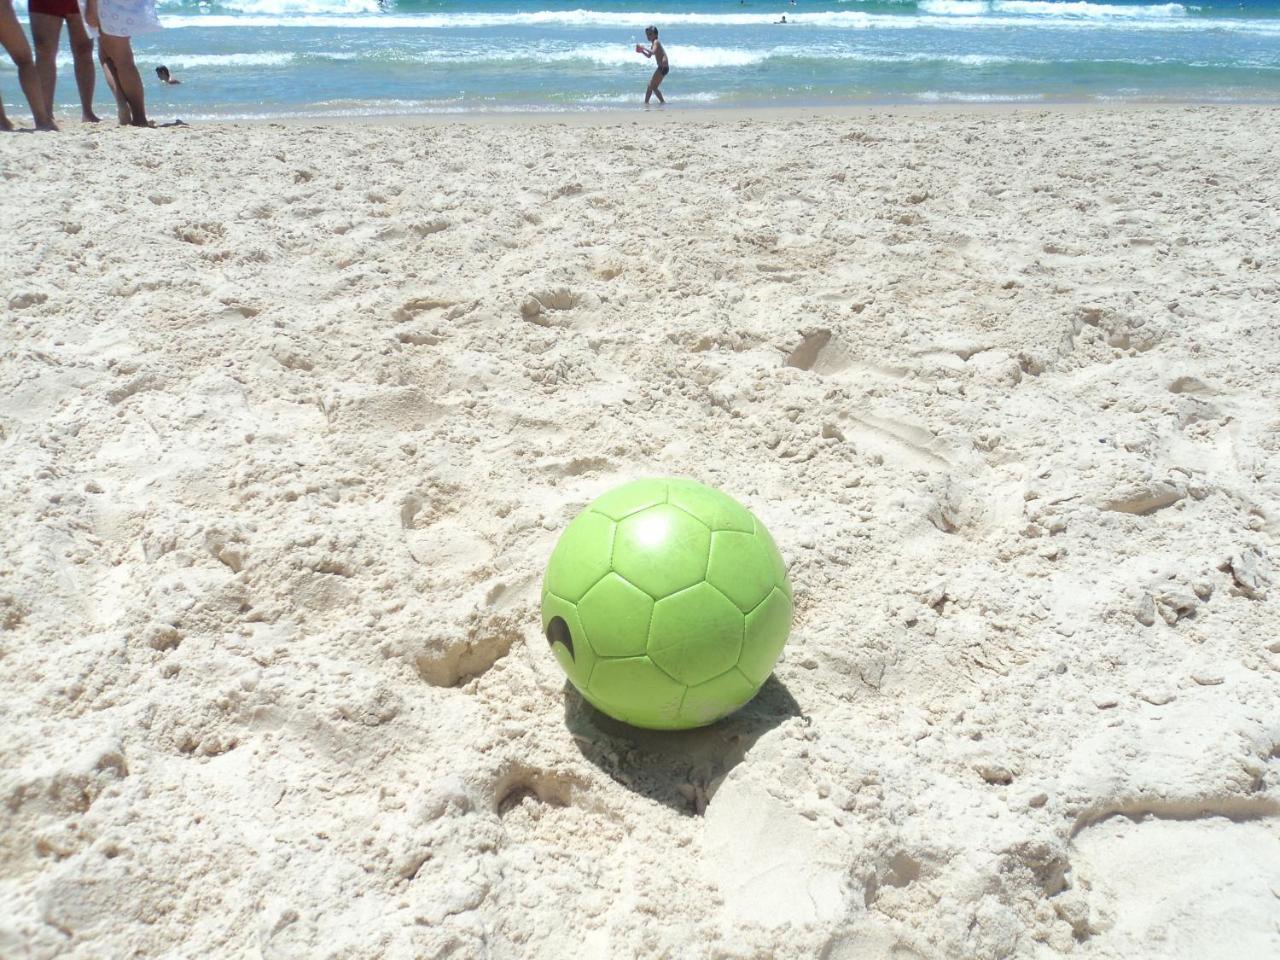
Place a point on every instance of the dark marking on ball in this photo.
(558, 632)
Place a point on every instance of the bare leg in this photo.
(82, 51)
(15, 43)
(123, 113)
(654, 82)
(46, 31)
(116, 54)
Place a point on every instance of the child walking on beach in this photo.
(46, 31)
(655, 49)
(115, 21)
(15, 44)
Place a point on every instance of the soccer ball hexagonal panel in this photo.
(581, 557)
(710, 700)
(775, 558)
(766, 633)
(634, 690)
(661, 550)
(696, 634)
(620, 502)
(740, 568)
(616, 615)
(715, 509)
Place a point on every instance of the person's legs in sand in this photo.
(123, 113)
(116, 54)
(86, 71)
(15, 44)
(46, 32)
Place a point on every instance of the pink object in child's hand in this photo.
(639, 49)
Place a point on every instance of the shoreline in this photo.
(710, 115)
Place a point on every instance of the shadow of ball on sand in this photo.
(679, 768)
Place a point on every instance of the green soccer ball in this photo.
(667, 603)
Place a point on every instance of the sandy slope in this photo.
(291, 417)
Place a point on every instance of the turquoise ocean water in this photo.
(316, 58)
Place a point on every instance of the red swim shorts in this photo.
(54, 8)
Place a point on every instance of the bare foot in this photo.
(48, 126)
(6, 124)
(88, 116)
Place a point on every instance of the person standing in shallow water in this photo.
(15, 44)
(656, 51)
(46, 31)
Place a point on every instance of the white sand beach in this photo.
(291, 417)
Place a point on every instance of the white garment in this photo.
(125, 18)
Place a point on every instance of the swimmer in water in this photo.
(658, 52)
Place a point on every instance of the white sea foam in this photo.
(609, 55)
(956, 8)
(959, 96)
(333, 110)
(1044, 8)
(959, 59)
(1082, 9)
(683, 57)
(281, 8)
(446, 21)
(1013, 13)
(705, 96)
(192, 61)
(702, 58)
